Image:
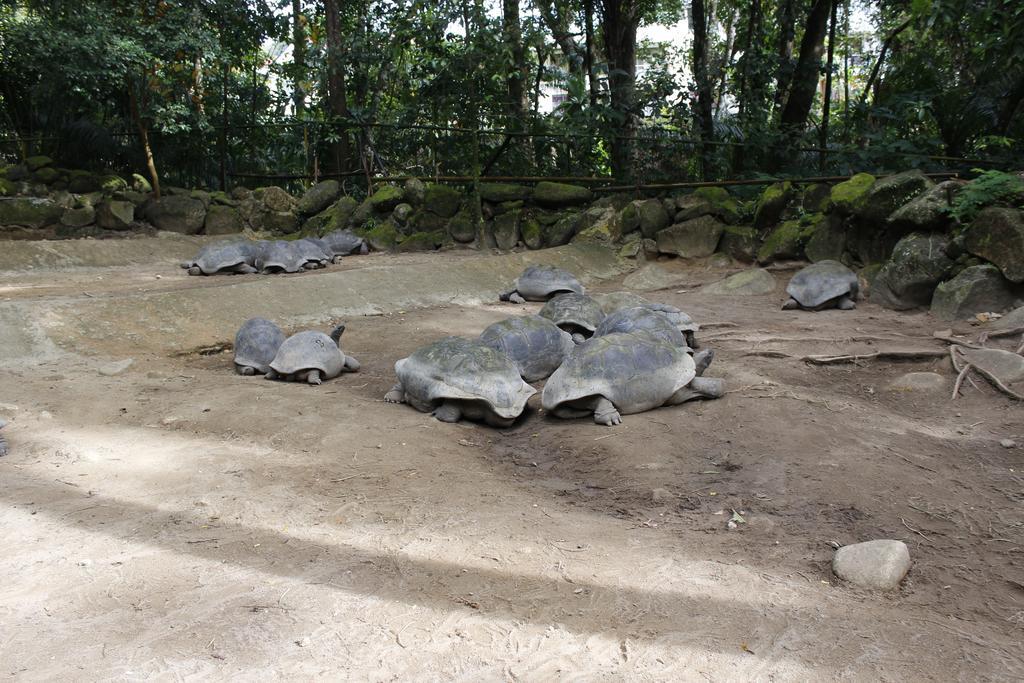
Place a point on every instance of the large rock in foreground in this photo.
(880, 565)
(176, 213)
(928, 211)
(978, 289)
(908, 279)
(695, 238)
(997, 235)
(30, 212)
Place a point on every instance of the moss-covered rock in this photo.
(532, 232)
(319, 197)
(652, 217)
(977, 289)
(141, 184)
(115, 215)
(37, 162)
(343, 210)
(847, 196)
(929, 211)
(773, 203)
(695, 238)
(828, 238)
(83, 182)
(463, 226)
(361, 214)
(78, 217)
(113, 183)
(223, 220)
(548, 217)
(504, 192)
(8, 188)
(414, 190)
(997, 235)
(402, 213)
(280, 222)
(46, 175)
(558, 195)
(381, 237)
(816, 198)
(386, 198)
(785, 242)
(29, 212)
(506, 230)
(274, 198)
(424, 221)
(604, 225)
(630, 217)
(720, 203)
(422, 241)
(442, 200)
(562, 231)
(740, 242)
(908, 279)
(890, 193)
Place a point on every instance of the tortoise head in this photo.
(336, 334)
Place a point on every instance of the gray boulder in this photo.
(908, 279)
(319, 197)
(115, 215)
(176, 213)
(29, 212)
(879, 565)
(740, 242)
(504, 192)
(772, 204)
(506, 230)
(463, 226)
(275, 198)
(653, 217)
(997, 235)
(695, 238)
(1006, 365)
(223, 220)
(560, 194)
(828, 242)
(442, 200)
(929, 211)
(890, 193)
(562, 231)
(978, 289)
(78, 218)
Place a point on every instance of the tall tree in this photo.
(518, 70)
(705, 96)
(620, 21)
(337, 95)
(808, 67)
(298, 58)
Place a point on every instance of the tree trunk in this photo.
(337, 97)
(808, 69)
(786, 19)
(559, 25)
(588, 24)
(705, 120)
(619, 27)
(826, 107)
(140, 125)
(299, 58)
(881, 59)
(846, 68)
(518, 104)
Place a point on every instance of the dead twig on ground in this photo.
(915, 530)
(884, 354)
(959, 380)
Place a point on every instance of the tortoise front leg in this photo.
(449, 411)
(605, 412)
(699, 387)
(271, 374)
(395, 395)
(246, 370)
(313, 377)
(846, 303)
(351, 365)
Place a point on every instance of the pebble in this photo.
(879, 564)
(1008, 443)
(116, 368)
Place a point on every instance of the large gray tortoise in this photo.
(641, 318)
(345, 242)
(256, 344)
(279, 256)
(456, 378)
(3, 441)
(311, 357)
(536, 345)
(228, 257)
(577, 314)
(825, 284)
(540, 283)
(623, 373)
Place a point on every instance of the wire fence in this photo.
(296, 153)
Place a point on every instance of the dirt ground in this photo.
(177, 521)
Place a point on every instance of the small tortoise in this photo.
(279, 256)
(312, 357)
(456, 378)
(825, 284)
(577, 314)
(540, 283)
(345, 242)
(3, 441)
(256, 345)
(536, 345)
(623, 373)
(224, 257)
(641, 318)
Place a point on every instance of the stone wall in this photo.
(897, 230)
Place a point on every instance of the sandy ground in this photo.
(179, 522)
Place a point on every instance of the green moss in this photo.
(38, 162)
(442, 200)
(386, 198)
(382, 236)
(533, 236)
(772, 203)
(7, 188)
(113, 183)
(503, 192)
(847, 196)
(785, 241)
(422, 241)
(722, 203)
(560, 194)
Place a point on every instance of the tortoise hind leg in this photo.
(246, 370)
(605, 412)
(313, 377)
(448, 411)
(271, 374)
(845, 303)
(790, 305)
(351, 365)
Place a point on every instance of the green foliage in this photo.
(990, 187)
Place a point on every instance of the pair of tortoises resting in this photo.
(309, 356)
(275, 256)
